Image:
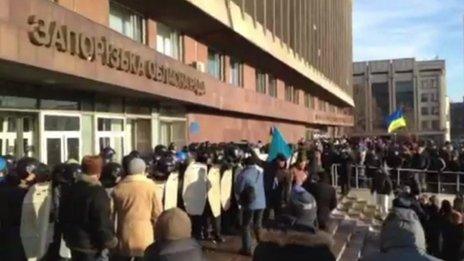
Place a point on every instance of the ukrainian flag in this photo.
(396, 121)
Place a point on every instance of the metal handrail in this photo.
(399, 171)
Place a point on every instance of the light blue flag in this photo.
(278, 145)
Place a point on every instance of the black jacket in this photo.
(86, 216)
(326, 200)
(453, 242)
(382, 183)
(11, 201)
(178, 250)
(296, 243)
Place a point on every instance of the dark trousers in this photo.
(125, 258)
(82, 256)
(207, 219)
(251, 217)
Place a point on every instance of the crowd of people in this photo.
(97, 209)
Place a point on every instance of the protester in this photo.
(401, 237)
(136, 208)
(299, 171)
(250, 191)
(12, 193)
(88, 229)
(325, 196)
(433, 227)
(295, 237)
(453, 238)
(36, 229)
(382, 187)
(173, 239)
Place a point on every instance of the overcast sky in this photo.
(424, 29)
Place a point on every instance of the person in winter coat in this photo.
(173, 239)
(345, 169)
(325, 196)
(276, 183)
(453, 238)
(295, 237)
(401, 238)
(252, 199)
(299, 170)
(136, 208)
(12, 193)
(36, 226)
(382, 186)
(85, 210)
(433, 227)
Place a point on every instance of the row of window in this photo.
(434, 110)
(429, 97)
(168, 42)
(431, 125)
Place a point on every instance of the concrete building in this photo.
(418, 87)
(79, 75)
(457, 121)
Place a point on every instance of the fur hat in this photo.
(173, 224)
(92, 165)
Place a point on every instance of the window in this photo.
(380, 104)
(332, 108)
(236, 72)
(404, 92)
(425, 111)
(321, 105)
(435, 125)
(215, 67)
(168, 41)
(425, 125)
(260, 81)
(288, 93)
(424, 97)
(296, 96)
(110, 133)
(61, 123)
(307, 100)
(272, 86)
(434, 97)
(435, 110)
(126, 22)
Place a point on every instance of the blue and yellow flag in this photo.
(396, 121)
(278, 145)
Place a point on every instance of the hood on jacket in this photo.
(402, 229)
(291, 237)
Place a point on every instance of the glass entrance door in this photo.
(17, 134)
(173, 131)
(139, 131)
(62, 139)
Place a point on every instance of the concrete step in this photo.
(371, 243)
(334, 223)
(342, 236)
(354, 246)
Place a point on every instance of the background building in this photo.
(418, 87)
(457, 121)
(79, 75)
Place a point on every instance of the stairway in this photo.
(354, 225)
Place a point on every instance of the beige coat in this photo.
(136, 208)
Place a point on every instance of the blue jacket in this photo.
(252, 176)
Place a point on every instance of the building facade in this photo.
(457, 121)
(79, 75)
(417, 87)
